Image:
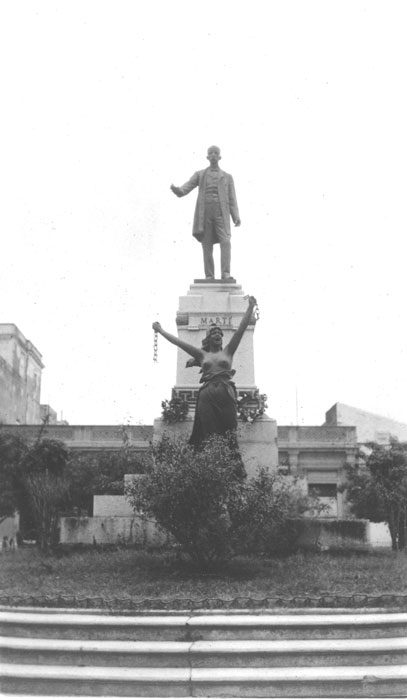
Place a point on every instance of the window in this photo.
(322, 490)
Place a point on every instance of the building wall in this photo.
(370, 427)
(89, 437)
(20, 377)
(317, 454)
(48, 414)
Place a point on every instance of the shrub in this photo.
(213, 512)
(188, 493)
(263, 518)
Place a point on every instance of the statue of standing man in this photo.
(215, 205)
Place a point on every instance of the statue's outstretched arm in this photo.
(187, 186)
(237, 336)
(187, 347)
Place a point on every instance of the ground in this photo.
(129, 573)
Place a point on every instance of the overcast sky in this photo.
(105, 103)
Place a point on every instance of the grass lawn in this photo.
(130, 573)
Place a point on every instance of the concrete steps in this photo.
(301, 654)
(337, 652)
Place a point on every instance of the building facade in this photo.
(370, 427)
(315, 454)
(20, 377)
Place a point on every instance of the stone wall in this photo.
(120, 530)
(334, 535)
(112, 506)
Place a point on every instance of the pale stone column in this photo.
(223, 304)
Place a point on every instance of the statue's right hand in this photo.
(157, 327)
(176, 190)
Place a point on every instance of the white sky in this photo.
(105, 103)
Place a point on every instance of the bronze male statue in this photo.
(215, 205)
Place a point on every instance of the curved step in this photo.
(91, 626)
(205, 627)
(242, 653)
(258, 682)
(294, 626)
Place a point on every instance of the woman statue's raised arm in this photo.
(187, 347)
(237, 336)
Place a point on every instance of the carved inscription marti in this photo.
(218, 320)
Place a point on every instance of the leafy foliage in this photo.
(42, 480)
(377, 487)
(46, 493)
(212, 511)
(12, 452)
(264, 520)
(100, 473)
(188, 492)
(32, 480)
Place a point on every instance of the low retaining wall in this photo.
(321, 534)
(315, 534)
(125, 530)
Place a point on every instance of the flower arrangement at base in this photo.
(175, 410)
(251, 406)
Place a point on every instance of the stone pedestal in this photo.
(258, 445)
(222, 303)
(206, 303)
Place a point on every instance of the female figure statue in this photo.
(216, 403)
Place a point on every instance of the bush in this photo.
(189, 492)
(263, 520)
(213, 512)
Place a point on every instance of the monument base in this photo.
(215, 280)
(258, 445)
(257, 440)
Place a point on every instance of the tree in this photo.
(12, 451)
(377, 487)
(32, 481)
(42, 473)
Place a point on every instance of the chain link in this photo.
(256, 309)
(155, 347)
